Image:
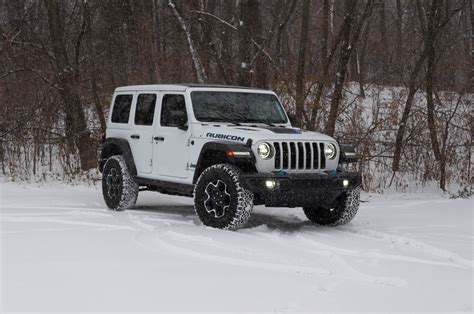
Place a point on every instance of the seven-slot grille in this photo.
(299, 155)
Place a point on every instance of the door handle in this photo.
(159, 138)
(135, 136)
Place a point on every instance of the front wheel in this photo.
(119, 189)
(219, 199)
(340, 213)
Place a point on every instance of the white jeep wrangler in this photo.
(229, 147)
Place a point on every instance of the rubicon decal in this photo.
(226, 137)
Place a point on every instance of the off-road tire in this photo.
(342, 212)
(119, 189)
(239, 200)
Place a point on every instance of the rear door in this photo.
(141, 136)
(170, 151)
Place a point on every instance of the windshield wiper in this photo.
(222, 120)
(267, 122)
(236, 123)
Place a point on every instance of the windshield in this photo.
(237, 107)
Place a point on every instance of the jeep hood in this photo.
(258, 133)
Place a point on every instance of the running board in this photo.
(166, 187)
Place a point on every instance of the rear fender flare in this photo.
(117, 146)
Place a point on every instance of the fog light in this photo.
(270, 184)
(345, 183)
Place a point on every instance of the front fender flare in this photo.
(221, 149)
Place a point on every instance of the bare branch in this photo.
(200, 72)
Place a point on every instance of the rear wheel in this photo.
(219, 199)
(340, 213)
(119, 189)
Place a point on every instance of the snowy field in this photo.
(61, 250)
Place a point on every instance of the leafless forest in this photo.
(393, 77)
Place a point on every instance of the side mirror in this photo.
(292, 118)
(179, 119)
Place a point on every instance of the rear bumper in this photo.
(302, 189)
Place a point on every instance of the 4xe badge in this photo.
(226, 137)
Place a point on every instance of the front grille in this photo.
(299, 155)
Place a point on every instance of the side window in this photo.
(121, 110)
(145, 109)
(173, 111)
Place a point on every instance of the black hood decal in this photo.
(280, 130)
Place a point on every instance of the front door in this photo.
(171, 137)
(141, 136)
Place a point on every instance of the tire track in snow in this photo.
(64, 221)
(58, 213)
(377, 255)
(403, 241)
(341, 265)
(148, 230)
(165, 240)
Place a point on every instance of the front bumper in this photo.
(300, 189)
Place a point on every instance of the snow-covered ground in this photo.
(61, 250)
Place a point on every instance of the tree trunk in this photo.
(200, 72)
(345, 53)
(245, 42)
(285, 14)
(324, 33)
(205, 34)
(412, 88)
(398, 43)
(433, 29)
(430, 49)
(300, 75)
(2, 155)
(67, 79)
(324, 73)
(261, 64)
(93, 70)
(468, 22)
(383, 36)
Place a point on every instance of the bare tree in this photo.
(200, 72)
(431, 25)
(346, 49)
(60, 61)
(67, 78)
(300, 77)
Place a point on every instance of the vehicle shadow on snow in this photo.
(284, 224)
(179, 210)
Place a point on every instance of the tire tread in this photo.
(130, 187)
(244, 197)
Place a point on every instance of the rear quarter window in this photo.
(121, 109)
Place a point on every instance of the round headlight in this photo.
(265, 150)
(330, 151)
